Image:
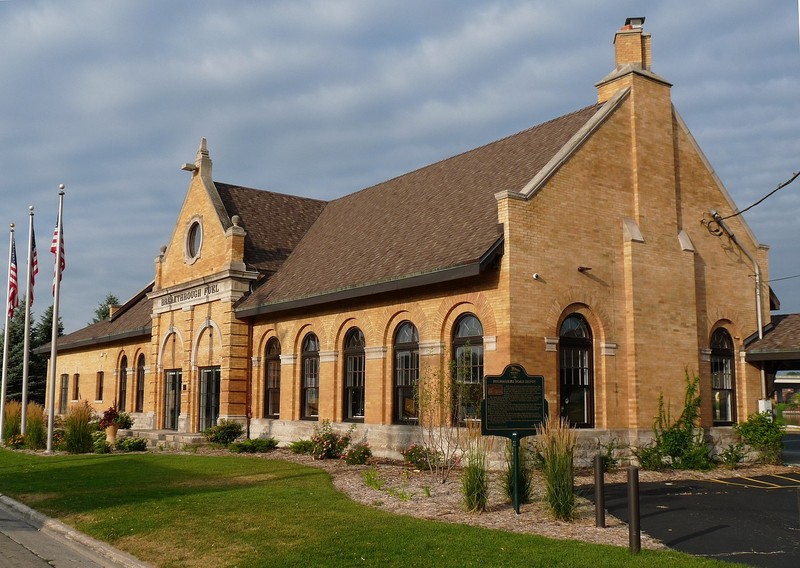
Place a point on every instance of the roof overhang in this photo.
(772, 355)
(426, 279)
(100, 340)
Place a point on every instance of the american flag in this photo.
(13, 297)
(34, 267)
(59, 268)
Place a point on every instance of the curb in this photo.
(60, 530)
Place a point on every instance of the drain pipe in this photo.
(757, 270)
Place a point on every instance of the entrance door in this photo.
(209, 397)
(172, 398)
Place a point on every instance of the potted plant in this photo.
(113, 420)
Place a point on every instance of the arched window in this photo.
(309, 387)
(406, 374)
(272, 380)
(468, 357)
(576, 371)
(723, 382)
(354, 362)
(139, 383)
(122, 397)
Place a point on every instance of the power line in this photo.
(781, 186)
(784, 278)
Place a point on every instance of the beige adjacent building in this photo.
(583, 248)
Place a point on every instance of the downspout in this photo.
(757, 270)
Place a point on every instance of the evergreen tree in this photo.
(103, 310)
(37, 370)
(16, 351)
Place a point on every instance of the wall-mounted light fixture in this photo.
(584, 268)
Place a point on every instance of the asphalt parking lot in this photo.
(753, 521)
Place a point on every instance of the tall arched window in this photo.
(139, 383)
(123, 384)
(309, 387)
(272, 380)
(723, 381)
(354, 363)
(576, 371)
(406, 374)
(468, 357)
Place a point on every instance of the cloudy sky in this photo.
(322, 98)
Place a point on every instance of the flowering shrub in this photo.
(419, 456)
(357, 454)
(329, 444)
(16, 441)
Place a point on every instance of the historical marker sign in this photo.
(513, 404)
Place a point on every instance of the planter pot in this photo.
(111, 434)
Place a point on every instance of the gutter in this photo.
(426, 279)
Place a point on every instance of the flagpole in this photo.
(5, 339)
(51, 393)
(28, 302)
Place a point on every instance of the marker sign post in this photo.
(512, 407)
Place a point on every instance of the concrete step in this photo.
(167, 439)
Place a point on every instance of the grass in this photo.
(191, 510)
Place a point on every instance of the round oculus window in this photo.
(194, 240)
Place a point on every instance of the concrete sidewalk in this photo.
(29, 539)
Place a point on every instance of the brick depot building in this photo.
(576, 248)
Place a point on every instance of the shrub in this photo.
(35, 428)
(129, 444)
(225, 432)
(256, 446)
(419, 456)
(12, 419)
(59, 440)
(78, 429)
(732, 455)
(608, 454)
(763, 435)
(675, 444)
(555, 440)
(524, 477)
(357, 454)
(329, 444)
(302, 447)
(100, 445)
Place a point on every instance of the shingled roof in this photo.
(132, 319)
(781, 340)
(437, 220)
(274, 222)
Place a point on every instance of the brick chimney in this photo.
(632, 45)
(631, 59)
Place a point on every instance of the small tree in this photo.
(437, 406)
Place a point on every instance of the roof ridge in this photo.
(469, 151)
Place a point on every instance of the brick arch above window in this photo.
(210, 354)
(451, 309)
(171, 333)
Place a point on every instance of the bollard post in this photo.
(634, 531)
(599, 493)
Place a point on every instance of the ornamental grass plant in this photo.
(35, 427)
(78, 429)
(475, 477)
(555, 440)
(12, 420)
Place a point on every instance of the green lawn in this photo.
(187, 510)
